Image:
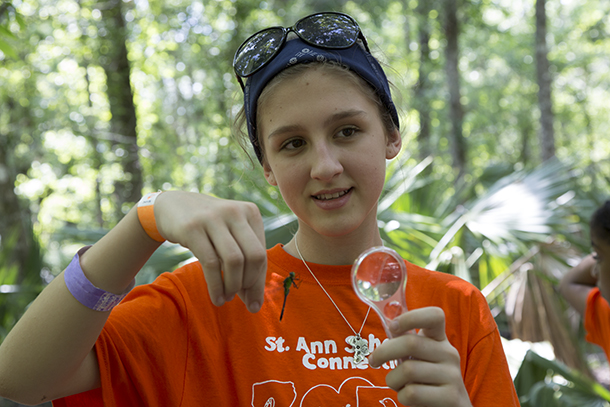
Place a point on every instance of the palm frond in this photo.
(536, 315)
(519, 207)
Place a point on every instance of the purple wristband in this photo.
(85, 292)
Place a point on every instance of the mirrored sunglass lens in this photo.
(329, 30)
(257, 50)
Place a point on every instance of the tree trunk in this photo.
(456, 113)
(547, 134)
(526, 128)
(422, 87)
(16, 236)
(97, 158)
(120, 96)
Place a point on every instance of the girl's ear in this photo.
(269, 176)
(393, 144)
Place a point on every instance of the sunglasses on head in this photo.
(328, 30)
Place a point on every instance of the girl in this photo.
(321, 119)
(587, 286)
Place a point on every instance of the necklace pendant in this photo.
(360, 348)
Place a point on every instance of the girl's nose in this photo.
(325, 163)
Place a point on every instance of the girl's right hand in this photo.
(430, 373)
(226, 236)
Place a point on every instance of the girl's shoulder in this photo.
(180, 287)
(462, 302)
(425, 279)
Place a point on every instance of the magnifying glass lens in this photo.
(379, 278)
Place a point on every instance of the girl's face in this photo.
(602, 266)
(326, 149)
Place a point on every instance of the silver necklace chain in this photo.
(357, 334)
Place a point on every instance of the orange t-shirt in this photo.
(597, 320)
(166, 344)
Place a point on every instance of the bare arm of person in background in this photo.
(577, 283)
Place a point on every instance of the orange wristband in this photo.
(146, 216)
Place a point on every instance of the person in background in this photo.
(587, 286)
(320, 117)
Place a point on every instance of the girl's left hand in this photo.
(429, 374)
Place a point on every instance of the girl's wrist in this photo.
(146, 216)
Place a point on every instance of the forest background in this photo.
(505, 118)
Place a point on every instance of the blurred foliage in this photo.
(9, 13)
(17, 288)
(510, 214)
(546, 383)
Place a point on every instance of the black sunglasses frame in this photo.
(285, 32)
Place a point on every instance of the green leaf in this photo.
(535, 386)
(529, 374)
(8, 50)
(6, 32)
(20, 21)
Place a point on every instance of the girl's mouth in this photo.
(328, 197)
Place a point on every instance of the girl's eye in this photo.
(347, 132)
(595, 256)
(293, 144)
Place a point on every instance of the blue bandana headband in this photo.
(297, 52)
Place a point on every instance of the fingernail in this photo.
(394, 325)
(220, 301)
(254, 306)
(371, 361)
(230, 298)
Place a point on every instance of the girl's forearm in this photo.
(44, 355)
(582, 273)
(577, 283)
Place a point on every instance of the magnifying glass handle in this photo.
(390, 309)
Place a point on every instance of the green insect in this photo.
(291, 280)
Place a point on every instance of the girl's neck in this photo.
(339, 250)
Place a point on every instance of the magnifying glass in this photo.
(379, 278)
